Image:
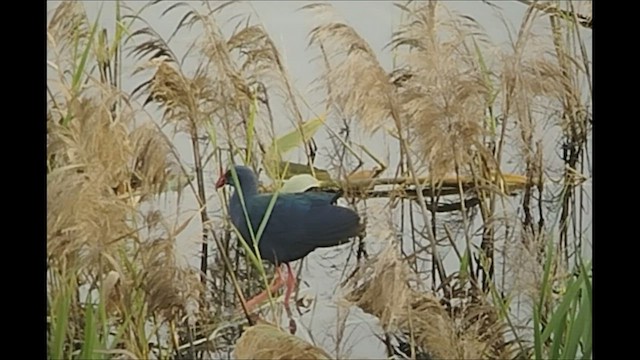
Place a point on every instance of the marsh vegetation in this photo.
(478, 237)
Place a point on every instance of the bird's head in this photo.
(246, 178)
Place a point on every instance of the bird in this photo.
(298, 224)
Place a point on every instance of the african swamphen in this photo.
(298, 224)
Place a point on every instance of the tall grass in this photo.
(563, 326)
(479, 265)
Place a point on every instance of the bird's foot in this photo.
(275, 285)
(299, 305)
(292, 326)
(292, 322)
(362, 229)
(291, 284)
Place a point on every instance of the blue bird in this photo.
(298, 223)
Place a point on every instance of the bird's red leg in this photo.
(291, 284)
(275, 285)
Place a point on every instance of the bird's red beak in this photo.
(221, 182)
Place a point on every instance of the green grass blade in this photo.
(255, 238)
(104, 318)
(586, 310)
(537, 333)
(61, 316)
(587, 330)
(211, 131)
(574, 330)
(80, 68)
(539, 336)
(568, 320)
(77, 76)
(121, 30)
(581, 319)
(557, 330)
(558, 319)
(254, 254)
(492, 94)
(254, 259)
(267, 215)
(251, 128)
(90, 341)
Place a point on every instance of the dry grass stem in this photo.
(381, 288)
(265, 341)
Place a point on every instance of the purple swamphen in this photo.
(298, 224)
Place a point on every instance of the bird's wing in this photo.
(329, 225)
(308, 218)
(312, 198)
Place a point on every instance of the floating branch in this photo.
(510, 181)
(403, 187)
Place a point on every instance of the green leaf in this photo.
(492, 94)
(575, 330)
(251, 128)
(587, 309)
(79, 70)
(582, 320)
(61, 319)
(556, 327)
(288, 142)
(537, 333)
(565, 330)
(540, 336)
(558, 319)
(90, 340)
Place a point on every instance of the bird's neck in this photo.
(248, 190)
